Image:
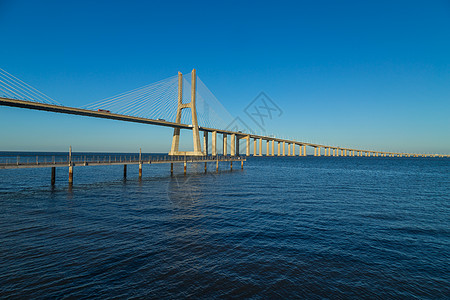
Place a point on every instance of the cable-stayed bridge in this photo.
(162, 103)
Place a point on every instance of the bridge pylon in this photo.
(174, 150)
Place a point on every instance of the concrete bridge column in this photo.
(267, 148)
(284, 148)
(279, 151)
(237, 145)
(273, 147)
(214, 143)
(315, 151)
(248, 146)
(260, 147)
(255, 148)
(337, 152)
(225, 144)
(205, 142)
(233, 144)
(304, 150)
(293, 149)
(289, 149)
(318, 151)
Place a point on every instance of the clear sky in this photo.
(368, 74)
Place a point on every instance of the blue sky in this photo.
(367, 74)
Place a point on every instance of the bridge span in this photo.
(201, 153)
(274, 146)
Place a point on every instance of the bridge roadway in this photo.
(329, 150)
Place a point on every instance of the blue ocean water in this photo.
(289, 227)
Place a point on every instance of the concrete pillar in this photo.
(225, 144)
(315, 151)
(318, 151)
(205, 142)
(289, 149)
(267, 148)
(124, 171)
(304, 150)
(260, 147)
(293, 149)
(255, 148)
(273, 147)
(214, 143)
(53, 176)
(284, 148)
(233, 145)
(279, 151)
(237, 146)
(248, 146)
(337, 152)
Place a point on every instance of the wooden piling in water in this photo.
(70, 174)
(124, 171)
(53, 175)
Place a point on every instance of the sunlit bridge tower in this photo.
(195, 130)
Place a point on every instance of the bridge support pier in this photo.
(225, 144)
(273, 148)
(255, 148)
(233, 145)
(284, 148)
(267, 148)
(247, 145)
(279, 153)
(214, 143)
(205, 142)
(53, 176)
(260, 147)
(293, 149)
